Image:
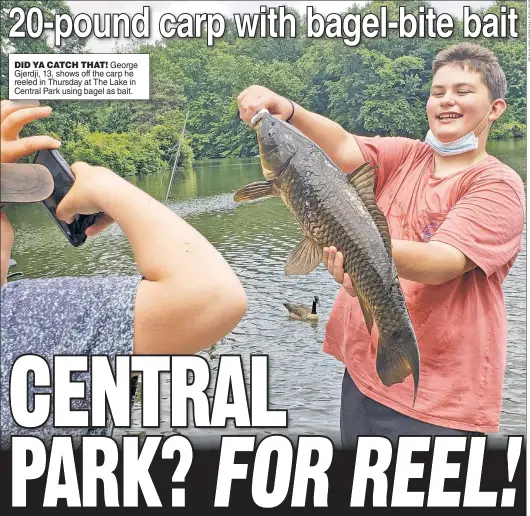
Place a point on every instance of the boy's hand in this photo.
(334, 262)
(87, 195)
(254, 98)
(14, 115)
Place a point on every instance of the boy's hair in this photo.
(476, 59)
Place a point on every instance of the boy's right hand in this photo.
(334, 262)
(88, 195)
(254, 98)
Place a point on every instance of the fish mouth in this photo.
(258, 117)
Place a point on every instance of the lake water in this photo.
(255, 239)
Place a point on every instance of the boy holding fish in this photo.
(455, 216)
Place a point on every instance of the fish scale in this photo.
(335, 209)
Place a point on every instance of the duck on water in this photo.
(301, 312)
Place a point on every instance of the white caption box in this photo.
(79, 76)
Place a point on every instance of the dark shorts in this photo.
(360, 415)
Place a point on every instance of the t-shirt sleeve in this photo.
(387, 152)
(486, 224)
(72, 316)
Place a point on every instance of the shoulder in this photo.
(396, 147)
(493, 173)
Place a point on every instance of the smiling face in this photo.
(458, 102)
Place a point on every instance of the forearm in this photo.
(164, 245)
(428, 263)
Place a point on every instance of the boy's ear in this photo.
(498, 108)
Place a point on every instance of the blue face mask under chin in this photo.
(466, 143)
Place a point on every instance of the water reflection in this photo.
(256, 238)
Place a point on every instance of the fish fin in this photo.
(256, 190)
(367, 313)
(363, 180)
(353, 177)
(397, 357)
(304, 258)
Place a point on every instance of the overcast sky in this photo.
(227, 9)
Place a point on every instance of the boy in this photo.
(456, 219)
(185, 298)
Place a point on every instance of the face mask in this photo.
(466, 143)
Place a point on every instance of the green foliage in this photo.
(377, 87)
(126, 154)
(167, 132)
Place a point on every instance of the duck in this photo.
(302, 312)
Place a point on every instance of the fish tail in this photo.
(397, 357)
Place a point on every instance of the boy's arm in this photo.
(483, 229)
(431, 263)
(346, 150)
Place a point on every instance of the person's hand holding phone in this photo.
(87, 195)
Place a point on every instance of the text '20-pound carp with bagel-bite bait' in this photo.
(335, 209)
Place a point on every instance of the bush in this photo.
(127, 154)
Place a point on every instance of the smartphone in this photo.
(63, 179)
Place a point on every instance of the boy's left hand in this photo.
(14, 115)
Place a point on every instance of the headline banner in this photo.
(419, 472)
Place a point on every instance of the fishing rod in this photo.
(177, 157)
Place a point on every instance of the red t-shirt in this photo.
(461, 325)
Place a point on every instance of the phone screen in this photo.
(63, 180)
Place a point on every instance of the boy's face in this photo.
(458, 102)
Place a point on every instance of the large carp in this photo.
(335, 209)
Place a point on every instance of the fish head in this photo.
(276, 145)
